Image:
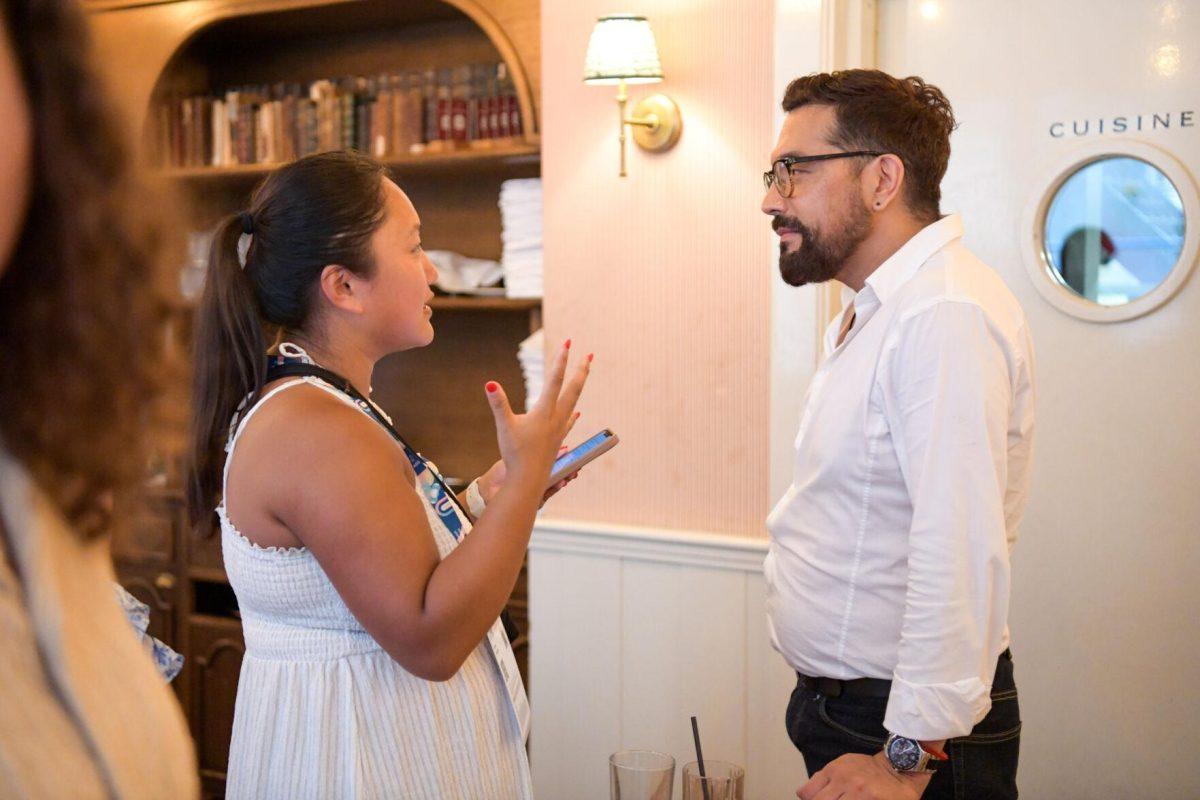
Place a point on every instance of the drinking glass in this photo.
(641, 775)
(723, 780)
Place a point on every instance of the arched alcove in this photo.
(146, 48)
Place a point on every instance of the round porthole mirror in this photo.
(1112, 233)
(1114, 230)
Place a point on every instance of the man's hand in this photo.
(859, 777)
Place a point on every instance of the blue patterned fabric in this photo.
(166, 660)
(435, 489)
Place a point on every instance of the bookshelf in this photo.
(155, 51)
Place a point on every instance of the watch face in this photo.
(904, 754)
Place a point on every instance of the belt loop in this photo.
(833, 688)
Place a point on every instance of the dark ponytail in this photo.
(317, 211)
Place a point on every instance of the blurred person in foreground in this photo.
(83, 308)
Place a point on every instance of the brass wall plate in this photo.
(663, 135)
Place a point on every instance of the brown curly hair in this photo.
(84, 302)
(876, 111)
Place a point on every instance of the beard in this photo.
(820, 257)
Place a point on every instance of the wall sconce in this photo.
(622, 50)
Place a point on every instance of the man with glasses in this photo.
(888, 570)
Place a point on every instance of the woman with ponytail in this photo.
(375, 663)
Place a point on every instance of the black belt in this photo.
(858, 687)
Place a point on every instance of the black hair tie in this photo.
(247, 223)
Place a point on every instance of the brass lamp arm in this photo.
(645, 122)
(657, 119)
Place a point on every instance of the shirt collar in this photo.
(889, 276)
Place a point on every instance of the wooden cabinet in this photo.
(434, 394)
(215, 650)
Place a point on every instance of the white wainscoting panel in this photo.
(633, 631)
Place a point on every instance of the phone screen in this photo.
(564, 464)
(579, 452)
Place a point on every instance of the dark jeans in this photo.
(983, 765)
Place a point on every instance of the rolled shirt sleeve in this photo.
(947, 389)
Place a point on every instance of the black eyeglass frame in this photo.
(770, 177)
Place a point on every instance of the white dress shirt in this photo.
(889, 553)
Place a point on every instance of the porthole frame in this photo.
(1037, 261)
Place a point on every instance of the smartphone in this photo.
(589, 451)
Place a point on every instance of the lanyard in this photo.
(443, 500)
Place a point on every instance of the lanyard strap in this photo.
(286, 367)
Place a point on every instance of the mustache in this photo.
(791, 223)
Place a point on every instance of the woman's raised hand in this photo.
(530, 442)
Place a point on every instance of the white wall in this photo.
(634, 631)
(1106, 607)
(794, 328)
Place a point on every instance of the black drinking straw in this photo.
(700, 759)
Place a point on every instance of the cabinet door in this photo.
(215, 655)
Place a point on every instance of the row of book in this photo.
(386, 116)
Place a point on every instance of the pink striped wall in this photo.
(665, 274)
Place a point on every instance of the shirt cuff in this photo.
(928, 712)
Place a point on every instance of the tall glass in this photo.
(724, 781)
(641, 775)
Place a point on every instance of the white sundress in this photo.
(323, 712)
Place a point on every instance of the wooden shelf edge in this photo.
(95, 6)
(213, 620)
(207, 574)
(445, 303)
(513, 155)
(472, 303)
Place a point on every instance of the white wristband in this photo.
(475, 501)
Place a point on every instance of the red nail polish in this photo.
(492, 386)
(568, 344)
(590, 357)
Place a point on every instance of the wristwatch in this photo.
(908, 756)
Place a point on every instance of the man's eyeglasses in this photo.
(780, 174)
